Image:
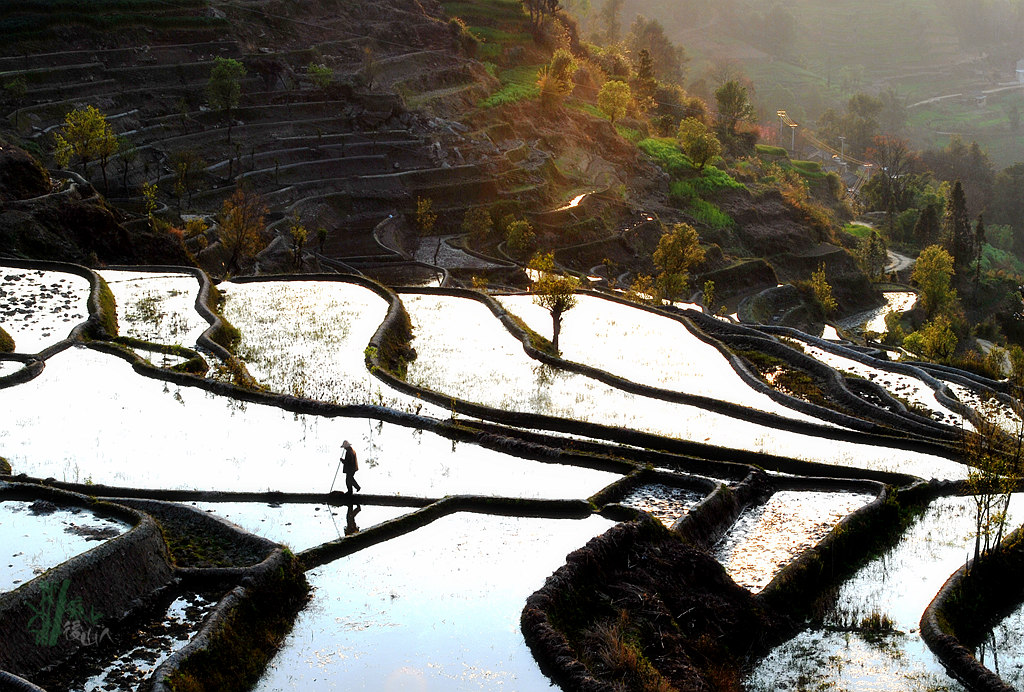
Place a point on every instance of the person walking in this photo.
(350, 464)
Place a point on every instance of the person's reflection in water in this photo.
(350, 519)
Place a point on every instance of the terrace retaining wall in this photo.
(113, 579)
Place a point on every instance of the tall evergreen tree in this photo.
(958, 232)
(644, 85)
(927, 229)
(979, 242)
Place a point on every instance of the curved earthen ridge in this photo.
(939, 625)
(113, 578)
(541, 421)
(942, 392)
(702, 527)
(117, 577)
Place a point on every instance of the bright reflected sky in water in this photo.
(40, 308)
(157, 307)
(436, 609)
(33, 543)
(900, 584)
(89, 415)
(464, 351)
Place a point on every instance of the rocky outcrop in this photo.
(21, 176)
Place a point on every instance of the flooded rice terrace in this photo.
(435, 606)
(40, 535)
(766, 537)
(842, 653)
(39, 308)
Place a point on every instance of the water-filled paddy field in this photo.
(766, 537)
(157, 307)
(910, 389)
(874, 319)
(40, 308)
(840, 653)
(90, 418)
(40, 535)
(464, 351)
(435, 607)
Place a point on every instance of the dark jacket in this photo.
(349, 462)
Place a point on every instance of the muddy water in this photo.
(90, 416)
(767, 537)
(464, 351)
(122, 658)
(437, 609)
(899, 585)
(39, 308)
(663, 502)
(41, 535)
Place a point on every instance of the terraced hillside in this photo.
(342, 155)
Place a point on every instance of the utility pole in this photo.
(842, 147)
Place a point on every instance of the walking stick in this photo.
(335, 476)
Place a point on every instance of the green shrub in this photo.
(6, 342)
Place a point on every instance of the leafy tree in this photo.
(87, 135)
(188, 167)
(928, 227)
(298, 234)
(678, 250)
(858, 123)
(519, 237)
(241, 227)
(539, 9)
(822, 290)
(669, 59)
(224, 89)
(936, 339)
(957, 229)
(967, 163)
(609, 20)
(149, 199)
(709, 294)
(700, 145)
(320, 75)
(643, 290)
(933, 274)
(1007, 206)
(873, 256)
(321, 237)
(554, 292)
(734, 106)
(995, 471)
(613, 99)
(426, 219)
(477, 223)
(979, 243)
(1016, 354)
(894, 163)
